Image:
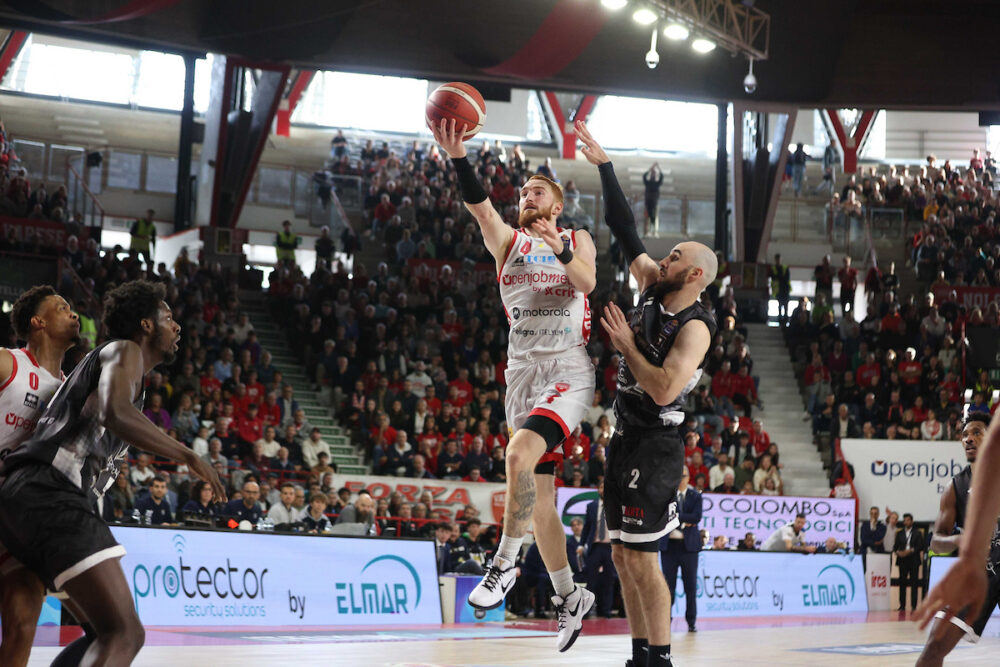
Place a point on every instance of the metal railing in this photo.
(79, 198)
(678, 215)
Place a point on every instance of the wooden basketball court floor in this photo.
(875, 638)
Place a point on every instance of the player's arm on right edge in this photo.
(497, 235)
(617, 212)
(942, 540)
(121, 374)
(965, 584)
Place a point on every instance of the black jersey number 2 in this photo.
(634, 484)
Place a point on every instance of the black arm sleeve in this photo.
(468, 182)
(618, 214)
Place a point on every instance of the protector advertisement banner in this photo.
(904, 475)
(733, 583)
(193, 577)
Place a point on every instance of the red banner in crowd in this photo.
(970, 297)
(448, 497)
(48, 233)
(481, 273)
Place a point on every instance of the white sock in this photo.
(562, 581)
(509, 548)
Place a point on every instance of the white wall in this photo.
(911, 135)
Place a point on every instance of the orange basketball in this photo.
(458, 101)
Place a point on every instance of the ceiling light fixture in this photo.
(702, 45)
(644, 16)
(614, 4)
(676, 31)
(652, 57)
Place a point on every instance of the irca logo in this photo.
(385, 585)
(834, 587)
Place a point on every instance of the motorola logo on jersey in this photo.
(517, 313)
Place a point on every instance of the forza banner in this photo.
(205, 577)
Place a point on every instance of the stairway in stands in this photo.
(317, 412)
(803, 473)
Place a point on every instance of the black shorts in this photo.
(640, 489)
(48, 524)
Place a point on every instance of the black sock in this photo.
(72, 654)
(639, 649)
(659, 656)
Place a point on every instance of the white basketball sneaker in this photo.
(570, 612)
(490, 592)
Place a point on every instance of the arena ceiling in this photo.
(917, 54)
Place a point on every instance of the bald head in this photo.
(699, 256)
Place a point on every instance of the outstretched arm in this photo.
(942, 540)
(121, 376)
(497, 235)
(617, 212)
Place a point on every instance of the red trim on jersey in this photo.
(510, 248)
(587, 323)
(572, 236)
(13, 372)
(30, 356)
(555, 456)
(545, 412)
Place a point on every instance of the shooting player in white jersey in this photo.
(29, 376)
(545, 274)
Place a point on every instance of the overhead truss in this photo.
(734, 25)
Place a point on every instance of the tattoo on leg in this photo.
(524, 497)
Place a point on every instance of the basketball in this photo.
(458, 101)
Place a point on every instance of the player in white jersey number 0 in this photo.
(545, 274)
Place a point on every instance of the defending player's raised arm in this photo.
(497, 235)
(617, 212)
(6, 365)
(942, 540)
(121, 376)
(662, 383)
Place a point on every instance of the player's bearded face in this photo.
(529, 215)
(668, 284)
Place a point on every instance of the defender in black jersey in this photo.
(46, 499)
(664, 344)
(948, 537)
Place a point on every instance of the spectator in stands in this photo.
(155, 508)
(315, 520)
(871, 534)
(142, 473)
(361, 512)
(246, 508)
(284, 513)
(767, 470)
(200, 503)
(313, 447)
(728, 484)
(748, 543)
(790, 537)
(652, 180)
(282, 463)
(143, 233)
(908, 547)
(718, 472)
(848, 277)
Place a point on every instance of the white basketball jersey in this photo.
(23, 399)
(547, 315)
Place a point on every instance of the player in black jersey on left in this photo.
(46, 513)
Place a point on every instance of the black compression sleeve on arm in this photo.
(618, 214)
(468, 182)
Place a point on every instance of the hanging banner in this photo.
(968, 296)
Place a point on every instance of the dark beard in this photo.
(666, 286)
(525, 218)
(157, 341)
